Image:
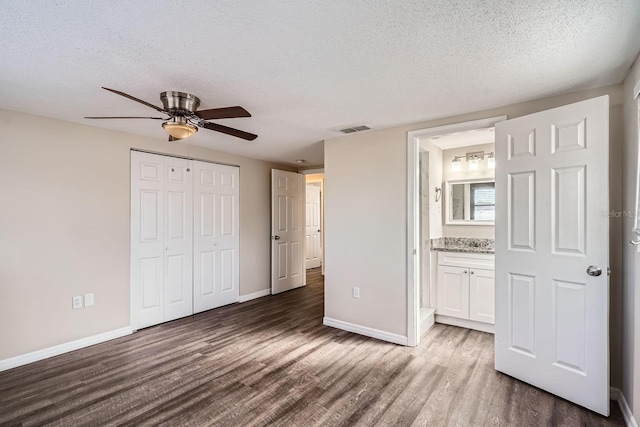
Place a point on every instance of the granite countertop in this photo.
(463, 244)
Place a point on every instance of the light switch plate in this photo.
(88, 300)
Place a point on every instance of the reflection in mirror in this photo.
(471, 202)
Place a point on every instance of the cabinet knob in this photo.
(472, 272)
(465, 272)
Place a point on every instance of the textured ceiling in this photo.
(306, 68)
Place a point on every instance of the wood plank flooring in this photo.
(270, 361)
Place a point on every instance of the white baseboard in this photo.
(464, 323)
(368, 332)
(56, 350)
(427, 320)
(259, 294)
(616, 394)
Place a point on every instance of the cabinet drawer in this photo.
(468, 260)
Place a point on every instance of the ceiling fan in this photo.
(184, 119)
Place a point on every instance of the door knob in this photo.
(594, 270)
(276, 237)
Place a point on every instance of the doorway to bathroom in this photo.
(453, 208)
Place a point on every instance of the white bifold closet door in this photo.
(216, 235)
(167, 280)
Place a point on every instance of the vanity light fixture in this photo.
(456, 164)
(473, 163)
(473, 159)
(491, 161)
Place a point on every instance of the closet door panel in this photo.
(147, 239)
(178, 238)
(216, 235)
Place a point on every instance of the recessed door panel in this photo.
(227, 179)
(149, 216)
(282, 214)
(227, 208)
(176, 215)
(208, 273)
(296, 212)
(149, 171)
(568, 137)
(296, 263)
(175, 278)
(227, 269)
(151, 281)
(571, 326)
(522, 332)
(177, 174)
(569, 210)
(521, 144)
(283, 260)
(521, 220)
(207, 178)
(207, 215)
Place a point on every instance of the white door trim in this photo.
(413, 217)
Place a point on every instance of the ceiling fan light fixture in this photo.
(179, 129)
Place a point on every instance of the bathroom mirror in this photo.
(470, 202)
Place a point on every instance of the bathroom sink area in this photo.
(463, 244)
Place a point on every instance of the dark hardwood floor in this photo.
(270, 361)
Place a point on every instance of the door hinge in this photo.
(414, 252)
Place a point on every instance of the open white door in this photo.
(312, 248)
(287, 230)
(552, 251)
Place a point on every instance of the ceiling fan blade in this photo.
(223, 113)
(133, 98)
(229, 131)
(128, 117)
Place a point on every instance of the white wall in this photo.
(64, 227)
(366, 218)
(630, 323)
(434, 218)
(477, 231)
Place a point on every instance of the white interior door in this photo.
(287, 230)
(216, 241)
(552, 190)
(178, 276)
(312, 241)
(147, 239)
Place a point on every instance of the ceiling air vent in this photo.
(354, 129)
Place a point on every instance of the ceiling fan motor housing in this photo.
(179, 102)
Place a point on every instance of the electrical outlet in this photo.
(88, 300)
(356, 292)
(77, 301)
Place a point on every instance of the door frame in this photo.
(414, 252)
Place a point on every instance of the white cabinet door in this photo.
(482, 295)
(453, 291)
(216, 235)
(287, 230)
